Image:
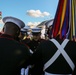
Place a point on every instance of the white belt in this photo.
(31, 51)
(46, 73)
(60, 51)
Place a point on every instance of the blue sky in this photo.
(30, 11)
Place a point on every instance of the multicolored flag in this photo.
(0, 15)
(64, 23)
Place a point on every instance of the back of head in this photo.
(12, 26)
(11, 29)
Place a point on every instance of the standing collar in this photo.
(6, 36)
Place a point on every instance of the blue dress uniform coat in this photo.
(13, 56)
(60, 66)
(33, 44)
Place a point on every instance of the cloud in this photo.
(33, 23)
(37, 13)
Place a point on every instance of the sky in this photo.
(32, 12)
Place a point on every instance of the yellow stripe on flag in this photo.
(73, 18)
(63, 15)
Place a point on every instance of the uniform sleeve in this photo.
(25, 56)
(36, 56)
(37, 61)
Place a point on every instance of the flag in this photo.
(64, 23)
(0, 15)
